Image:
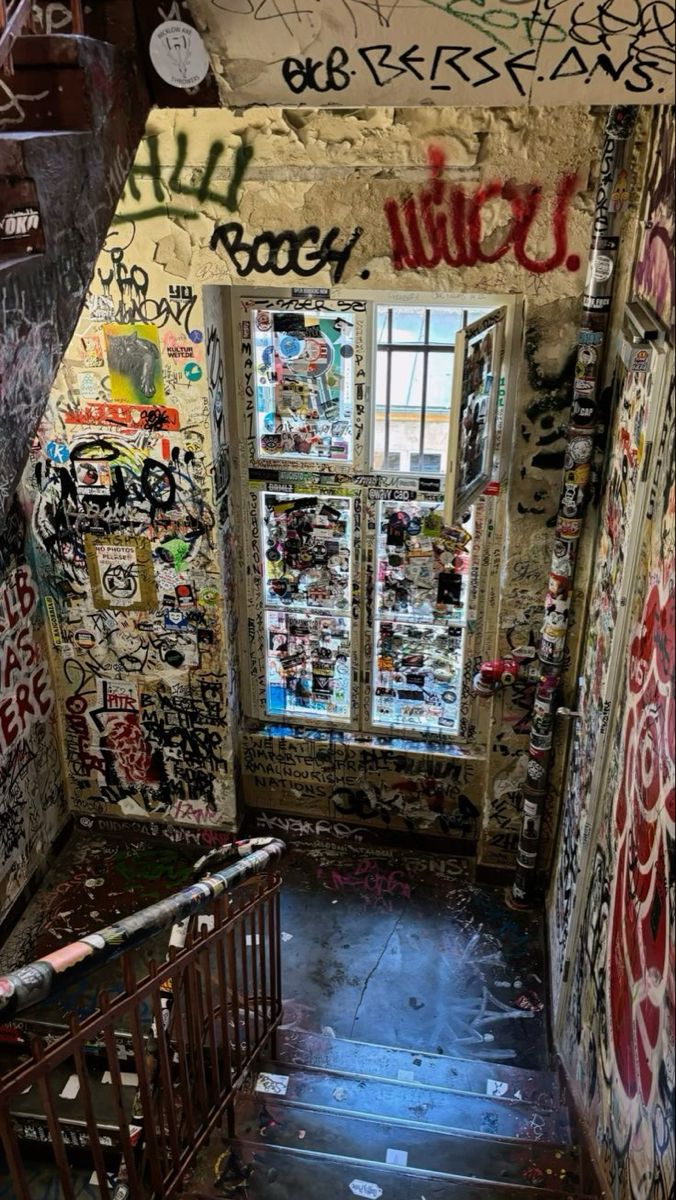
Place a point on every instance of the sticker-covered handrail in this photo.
(30, 985)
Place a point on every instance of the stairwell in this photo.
(72, 111)
(312, 1110)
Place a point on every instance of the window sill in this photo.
(462, 751)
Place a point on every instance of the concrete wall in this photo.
(612, 915)
(149, 728)
(32, 800)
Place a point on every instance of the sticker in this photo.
(178, 54)
(71, 1089)
(397, 1158)
(358, 1187)
(127, 1078)
(600, 269)
(496, 1087)
(153, 417)
(272, 1085)
(121, 573)
(192, 372)
(196, 336)
(53, 619)
(134, 365)
(83, 639)
(57, 451)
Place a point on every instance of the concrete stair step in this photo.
(407, 1101)
(482, 1078)
(371, 1137)
(280, 1175)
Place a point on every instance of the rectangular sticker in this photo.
(272, 1085)
(71, 1088)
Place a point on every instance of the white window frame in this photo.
(364, 484)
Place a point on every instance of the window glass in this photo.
(444, 324)
(417, 676)
(477, 383)
(306, 551)
(413, 384)
(304, 365)
(308, 665)
(420, 573)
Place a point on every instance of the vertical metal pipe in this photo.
(611, 201)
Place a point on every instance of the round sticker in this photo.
(289, 346)
(192, 371)
(178, 54)
(196, 336)
(57, 451)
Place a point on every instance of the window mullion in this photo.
(423, 398)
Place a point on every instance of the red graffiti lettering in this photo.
(442, 223)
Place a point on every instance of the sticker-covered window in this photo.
(306, 553)
(369, 435)
(420, 617)
(304, 383)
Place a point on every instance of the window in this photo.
(363, 604)
(425, 464)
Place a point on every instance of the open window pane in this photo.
(306, 552)
(417, 676)
(303, 378)
(472, 425)
(308, 665)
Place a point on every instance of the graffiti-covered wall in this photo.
(132, 509)
(612, 914)
(32, 800)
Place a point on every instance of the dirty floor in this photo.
(380, 945)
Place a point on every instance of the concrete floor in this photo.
(380, 945)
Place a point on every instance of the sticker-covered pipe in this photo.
(35, 982)
(611, 201)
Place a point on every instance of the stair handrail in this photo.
(16, 19)
(37, 981)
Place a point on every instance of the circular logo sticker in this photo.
(57, 451)
(178, 54)
(196, 336)
(192, 371)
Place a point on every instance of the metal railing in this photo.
(193, 1027)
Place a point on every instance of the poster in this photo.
(120, 571)
(304, 377)
(134, 363)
